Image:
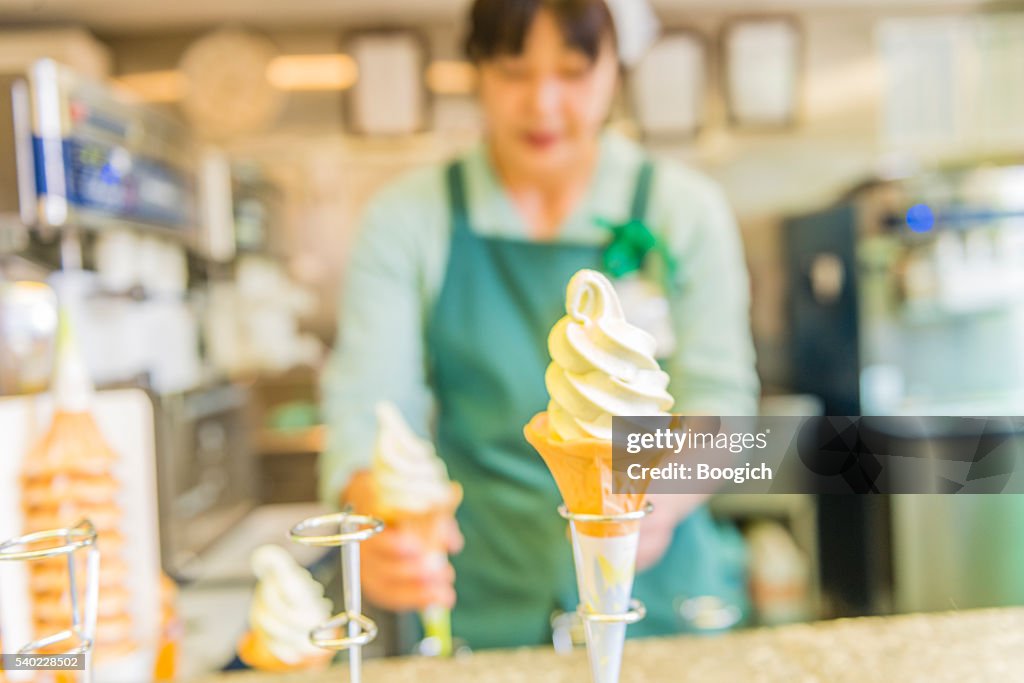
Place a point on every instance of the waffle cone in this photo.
(583, 470)
(430, 525)
(255, 652)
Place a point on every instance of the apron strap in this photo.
(457, 198)
(643, 192)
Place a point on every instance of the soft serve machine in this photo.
(907, 299)
(117, 206)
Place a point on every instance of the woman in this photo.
(458, 275)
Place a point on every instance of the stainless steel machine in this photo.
(79, 162)
(907, 298)
(88, 159)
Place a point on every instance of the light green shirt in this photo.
(399, 262)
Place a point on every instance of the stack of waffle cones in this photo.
(68, 476)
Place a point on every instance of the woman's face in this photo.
(545, 107)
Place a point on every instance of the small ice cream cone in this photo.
(255, 651)
(288, 603)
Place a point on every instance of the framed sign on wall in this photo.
(390, 96)
(763, 61)
(669, 85)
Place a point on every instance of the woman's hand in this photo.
(656, 529)
(398, 572)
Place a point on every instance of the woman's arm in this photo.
(391, 280)
(379, 351)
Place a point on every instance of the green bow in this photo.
(631, 244)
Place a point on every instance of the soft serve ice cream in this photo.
(601, 365)
(413, 493)
(409, 476)
(287, 605)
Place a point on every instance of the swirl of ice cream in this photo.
(409, 475)
(601, 365)
(287, 605)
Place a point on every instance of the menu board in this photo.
(762, 71)
(668, 87)
(389, 98)
(953, 83)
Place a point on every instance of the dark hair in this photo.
(499, 27)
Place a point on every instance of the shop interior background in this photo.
(884, 106)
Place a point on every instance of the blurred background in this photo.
(205, 162)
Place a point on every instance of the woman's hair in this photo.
(499, 27)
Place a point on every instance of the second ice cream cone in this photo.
(430, 526)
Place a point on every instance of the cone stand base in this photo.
(64, 542)
(604, 551)
(636, 612)
(353, 530)
(364, 633)
(634, 516)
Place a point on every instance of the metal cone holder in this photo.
(592, 619)
(82, 536)
(351, 530)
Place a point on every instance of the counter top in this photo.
(962, 647)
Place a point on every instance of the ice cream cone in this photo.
(287, 604)
(254, 650)
(604, 552)
(431, 527)
(583, 470)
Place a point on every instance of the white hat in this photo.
(637, 27)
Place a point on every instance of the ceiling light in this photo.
(153, 86)
(313, 72)
(449, 77)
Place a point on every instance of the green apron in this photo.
(487, 341)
